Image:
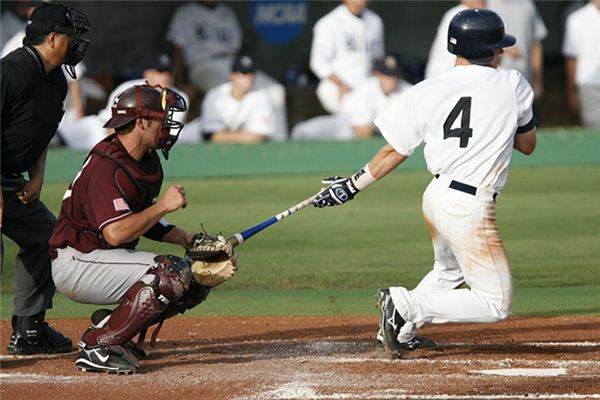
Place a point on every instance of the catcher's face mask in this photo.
(171, 102)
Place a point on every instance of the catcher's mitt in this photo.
(212, 258)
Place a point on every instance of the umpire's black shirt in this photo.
(32, 107)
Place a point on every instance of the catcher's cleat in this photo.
(33, 335)
(100, 315)
(111, 359)
(390, 322)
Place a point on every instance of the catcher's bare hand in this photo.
(174, 198)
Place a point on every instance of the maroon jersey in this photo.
(110, 186)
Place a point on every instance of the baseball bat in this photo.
(241, 237)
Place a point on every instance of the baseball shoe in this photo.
(417, 343)
(33, 335)
(111, 359)
(390, 322)
(97, 317)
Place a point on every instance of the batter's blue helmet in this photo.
(475, 33)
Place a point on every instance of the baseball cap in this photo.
(160, 62)
(54, 17)
(389, 65)
(243, 64)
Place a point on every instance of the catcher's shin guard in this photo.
(143, 303)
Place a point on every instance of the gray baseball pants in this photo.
(30, 227)
(100, 276)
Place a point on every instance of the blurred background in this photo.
(278, 35)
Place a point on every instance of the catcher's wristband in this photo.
(363, 178)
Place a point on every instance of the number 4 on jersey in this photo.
(464, 132)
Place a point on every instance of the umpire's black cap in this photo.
(55, 17)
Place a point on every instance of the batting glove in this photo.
(340, 191)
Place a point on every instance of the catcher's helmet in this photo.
(475, 33)
(145, 101)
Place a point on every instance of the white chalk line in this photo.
(19, 377)
(527, 372)
(303, 390)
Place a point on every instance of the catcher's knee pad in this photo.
(140, 306)
(173, 277)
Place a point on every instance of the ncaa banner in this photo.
(279, 22)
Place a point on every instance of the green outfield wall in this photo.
(555, 147)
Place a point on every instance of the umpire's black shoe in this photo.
(33, 335)
(390, 322)
(111, 359)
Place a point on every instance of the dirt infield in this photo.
(327, 358)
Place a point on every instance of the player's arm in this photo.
(33, 189)
(135, 225)
(537, 68)
(525, 142)
(572, 98)
(239, 136)
(341, 190)
(180, 237)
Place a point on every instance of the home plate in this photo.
(524, 371)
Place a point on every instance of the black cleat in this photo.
(111, 359)
(390, 322)
(33, 335)
(417, 343)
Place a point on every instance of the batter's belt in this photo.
(465, 188)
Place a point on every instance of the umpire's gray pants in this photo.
(30, 227)
(100, 276)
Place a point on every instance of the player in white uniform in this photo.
(525, 23)
(207, 36)
(361, 107)
(582, 59)
(236, 112)
(470, 118)
(346, 41)
(439, 59)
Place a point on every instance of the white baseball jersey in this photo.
(205, 34)
(440, 59)
(467, 117)
(581, 42)
(367, 101)
(254, 113)
(522, 20)
(346, 45)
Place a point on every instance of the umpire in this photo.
(33, 91)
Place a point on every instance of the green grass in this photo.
(528, 301)
(549, 220)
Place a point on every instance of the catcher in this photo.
(110, 204)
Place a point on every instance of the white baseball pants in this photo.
(467, 249)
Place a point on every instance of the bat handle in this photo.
(234, 240)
